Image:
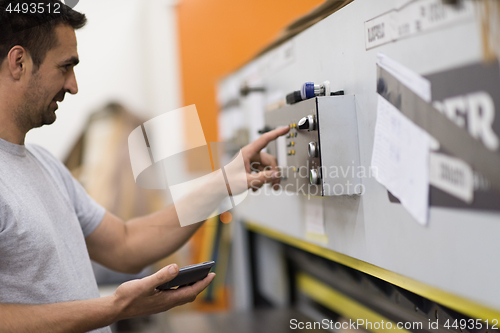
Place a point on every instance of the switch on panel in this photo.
(314, 177)
(307, 123)
(311, 90)
(312, 149)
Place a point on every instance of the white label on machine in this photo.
(414, 18)
(401, 159)
(379, 30)
(452, 176)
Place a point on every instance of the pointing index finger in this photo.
(267, 137)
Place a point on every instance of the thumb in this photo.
(164, 275)
(256, 180)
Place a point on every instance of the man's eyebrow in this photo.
(73, 60)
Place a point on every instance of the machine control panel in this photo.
(320, 154)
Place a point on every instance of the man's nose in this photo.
(71, 85)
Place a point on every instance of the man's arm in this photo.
(131, 299)
(129, 247)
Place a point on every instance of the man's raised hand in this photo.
(264, 164)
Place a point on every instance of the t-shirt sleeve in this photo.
(88, 211)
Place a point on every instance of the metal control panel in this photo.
(320, 154)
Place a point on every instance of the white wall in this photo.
(128, 53)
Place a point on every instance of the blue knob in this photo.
(307, 90)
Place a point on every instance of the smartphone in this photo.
(188, 275)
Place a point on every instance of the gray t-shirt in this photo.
(45, 215)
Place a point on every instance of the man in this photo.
(49, 227)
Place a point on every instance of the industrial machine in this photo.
(349, 253)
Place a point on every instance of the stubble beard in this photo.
(32, 113)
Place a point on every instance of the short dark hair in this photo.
(34, 31)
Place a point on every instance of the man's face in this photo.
(50, 82)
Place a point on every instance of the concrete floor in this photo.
(261, 321)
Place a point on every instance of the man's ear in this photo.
(17, 61)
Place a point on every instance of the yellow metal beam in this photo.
(457, 303)
(343, 305)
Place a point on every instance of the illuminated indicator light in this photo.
(293, 152)
(293, 143)
(294, 169)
